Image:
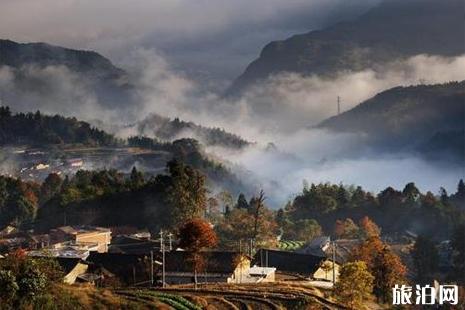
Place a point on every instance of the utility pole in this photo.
(170, 235)
(240, 259)
(338, 105)
(162, 249)
(151, 268)
(334, 263)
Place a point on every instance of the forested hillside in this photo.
(393, 30)
(38, 129)
(168, 130)
(31, 63)
(425, 118)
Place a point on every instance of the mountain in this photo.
(393, 30)
(40, 73)
(425, 118)
(39, 129)
(167, 129)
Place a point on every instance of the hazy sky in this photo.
(211, 40)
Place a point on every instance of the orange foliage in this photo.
(197, 234)
(369, 228)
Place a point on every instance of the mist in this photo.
(284, 103)
(196, 36)
(320, 156)
(279, 110)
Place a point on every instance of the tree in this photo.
(242, 202)
(384, 265)
(187, 193)
(9, 287)
(444, 196)
(411, 194)
(257, 204)
(226, 199)
(195, 236)
(460, 190)
(303, 230)
(346, 229)
(213, 213)
(355, 285)
(50, 187)
(388, 271)
(368, 228)
(390, 198)
(458, 247)
(240, 224)
(425, 259)
(136, 179)
(24, 279)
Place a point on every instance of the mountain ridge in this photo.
(409, 118)
(390, 31)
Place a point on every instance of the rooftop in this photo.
(74, 230)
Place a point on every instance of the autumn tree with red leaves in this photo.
(195, 236)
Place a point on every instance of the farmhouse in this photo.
(130, 269)
(229, 267)
(304, 265)
(72, 268)
(101, 237)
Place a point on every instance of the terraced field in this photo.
(265, 296)
(290, 245)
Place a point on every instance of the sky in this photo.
(210, 41)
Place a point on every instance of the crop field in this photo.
(290, 245)
(264, 296)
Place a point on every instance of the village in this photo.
(36, 163)
(99, 256)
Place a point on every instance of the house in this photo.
(322, 246)
(317, 246)
(72, 268)
(220, 266)
(82, 234)
(130, 269)
(289, 262)
(8, 230)
(325, 271)
(133, 245)
(258, 274)
(75, 163)
(61, 252)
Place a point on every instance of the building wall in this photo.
(102, 238)
(241, 271)
(269, 277)
(80, 269)
(320, 274)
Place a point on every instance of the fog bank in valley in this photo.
(280, 111)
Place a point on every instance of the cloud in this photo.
(291, 101)
(54, 90)
(275, 111)
(318, 156)
(214, 38)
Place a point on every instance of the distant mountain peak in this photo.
(395, 29)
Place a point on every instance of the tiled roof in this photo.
(303, 264)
